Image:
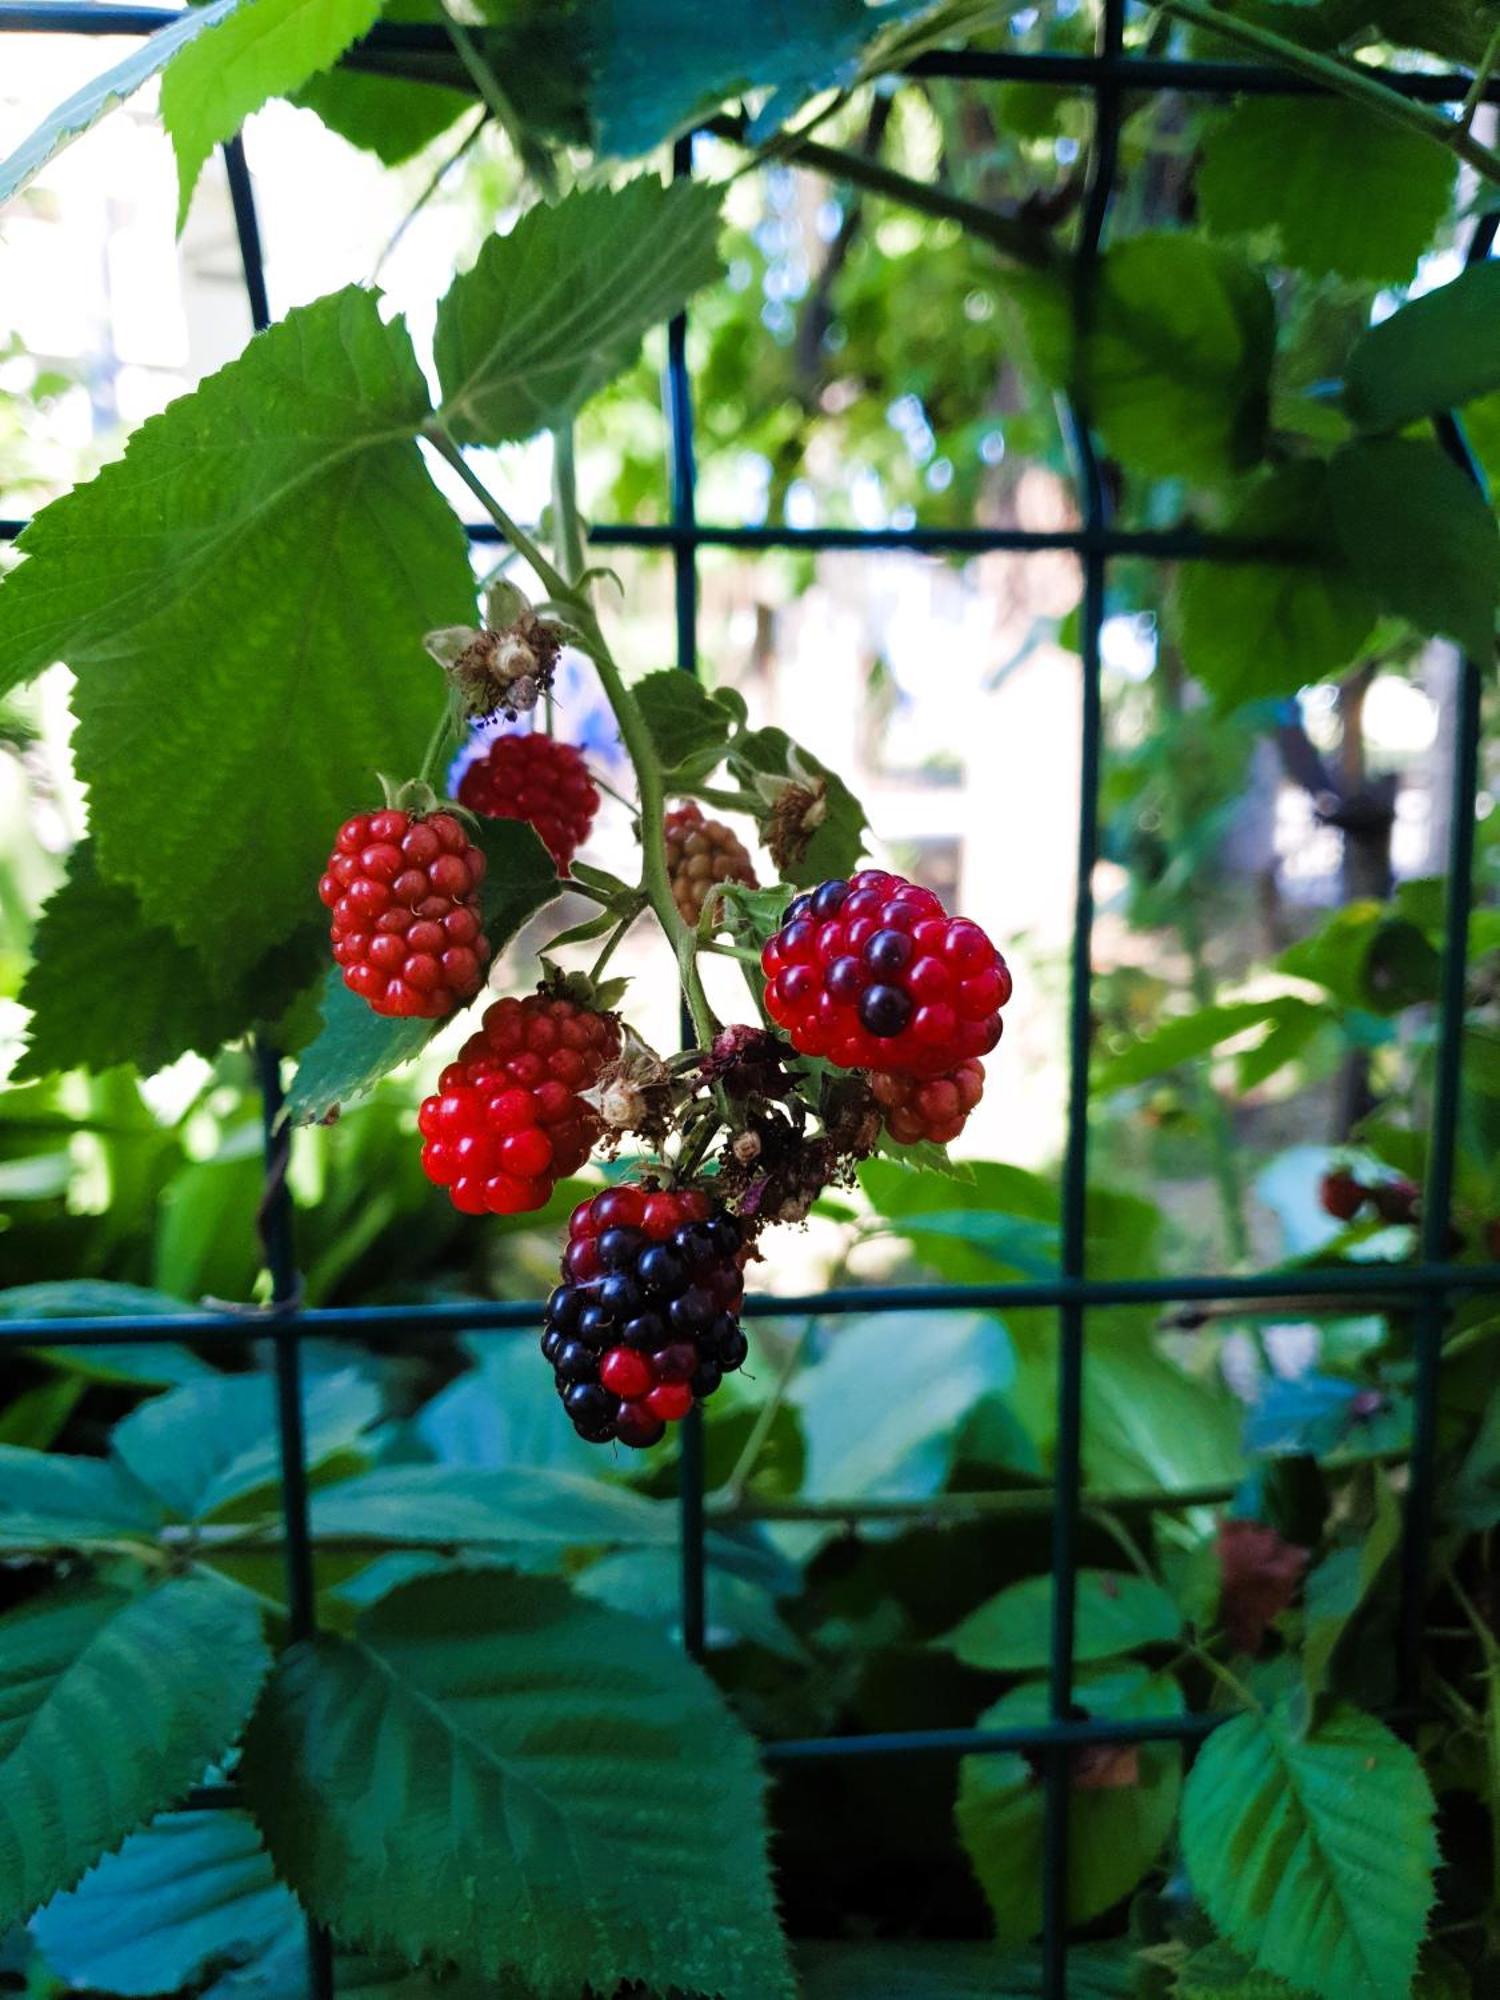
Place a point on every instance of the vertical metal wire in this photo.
(1067, 1471)
(1437, 1191)
(678, 397)
(276, 1231)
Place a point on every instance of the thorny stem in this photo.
(1352, 80)
(655, 881)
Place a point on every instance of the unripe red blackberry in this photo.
(1341, 1195)
(507, 1121)
(935, 1109)
(404, 892)
(539, 779)
(645, 1322)
(873, 974)
(701, 852)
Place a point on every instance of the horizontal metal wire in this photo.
(1080, 73)
(1359, 1284)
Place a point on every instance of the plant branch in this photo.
(534, 158)
(439, 174)
(1352, 80)
(1012, 236)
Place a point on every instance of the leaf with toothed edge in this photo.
(492, 1729)
(111, 1704)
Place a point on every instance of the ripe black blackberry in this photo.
(645, 1322)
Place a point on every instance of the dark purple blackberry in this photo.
(827, 900)
(645, 1325)
(884, 1010)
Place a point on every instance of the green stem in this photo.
(439, 174)
(726, 801)
(433, 754)
(1023, 1503)
(1352, 80)
(532, 156)
(1022, 242)
(732, 1493)
(1482, 76)
(655, 880)
(567, 535)
(616, 937)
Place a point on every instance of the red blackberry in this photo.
(507, 1121)
(644, 1323)
(936, 1109)
(1341, 1195)
(404, 892)
(701, 852)
(539, 779)
(873, 974)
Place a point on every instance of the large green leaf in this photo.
(101, 94)
(1314, 1853)
(880, 1411)
(261, 565)
(1193, 1035)
(48, 1501)
(1340, 188)
(106, 987)
(1147, 1423)
(1176, 369)
(1124, 1800)
(519, 1508)
(502, 1413)
(1420, 536)
(1436, 353)
(685, 722)
(556, 308)
(191, 1893)
(1251, 628)
(111, 1704)
(263, 49)
(355, 1046)
(495, 1773)
(214, 1443)
(146, 1364)
(956, 1972)
(1114, 1611)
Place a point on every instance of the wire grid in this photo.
(1429, 1285)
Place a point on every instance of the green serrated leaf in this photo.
(839, 840)
(557, 308)
(260, 565)
(189, 1894)
(1123, 1804)
(936, 1971)
(684, 720)
(106, 987)
(51, 1502)
(519, 1508)
(1116, 1612)
(1253, 629)
(544, 1738)
(111, 1704)
(1342, 189)
(1437, 353)
(212, 1446)
(924, 1157)
(1216, 1972)
(262, 49)
(1288, 1843)
(83, 110)
(1420, 536)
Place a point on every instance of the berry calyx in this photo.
(646, 1317)
(507, 1121)
(539, 779)
(935, 1109)
(873, 974)
(700, 853)
(407, 931)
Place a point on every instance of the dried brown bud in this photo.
(498, 671)
(797, 811)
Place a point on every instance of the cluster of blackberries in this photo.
(645, 1322)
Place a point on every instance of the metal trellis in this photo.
(1430, 1285)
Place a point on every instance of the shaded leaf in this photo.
(521, 1508)
(1115, 1612)
(1339, 1586)
(572, 1761)
(1194, 1035)
(113, 1704)
(48, 1501)
(1287, 1839)
(1259, 1576)
(1437, 353)
(1420, 536)
(557, 307)
(1341, 189)
(1252, 628)
(956, 1972)
(1116, 1831)
(215, 1443)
